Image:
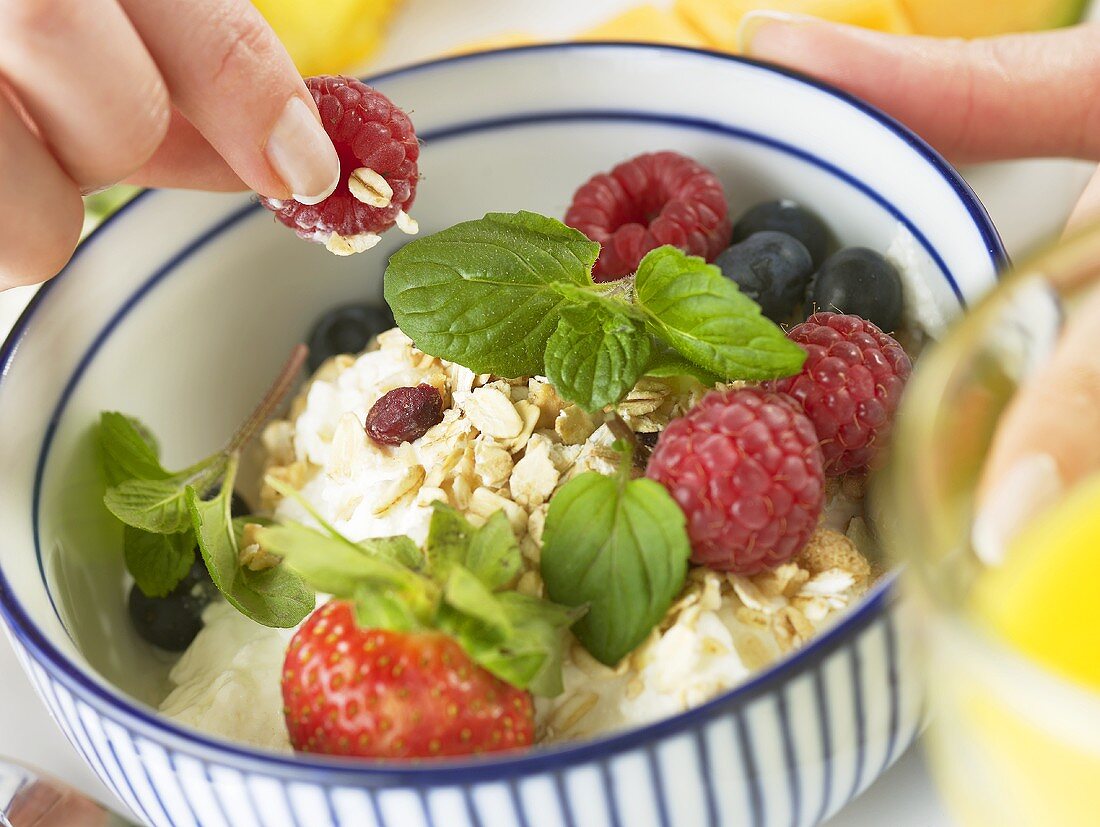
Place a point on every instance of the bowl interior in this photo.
(181, 309)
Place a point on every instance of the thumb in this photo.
(1028, 95)
(1044, 444)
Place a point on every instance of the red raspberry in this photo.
(646, 202)
(368, 131)
(745, 467)
(849, 387)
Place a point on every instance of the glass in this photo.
(1010, 742)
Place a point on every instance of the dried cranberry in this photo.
(404, 414)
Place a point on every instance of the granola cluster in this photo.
(509, 445)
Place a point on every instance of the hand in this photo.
(1009, 97)
(154, 92)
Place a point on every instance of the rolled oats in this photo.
(545, 397)
(574, 425)
(529, 413)
(493, 413)
(278, 442)
(535, 477)
(493, 463)
(485, 503)
(396, 490)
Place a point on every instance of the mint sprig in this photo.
(457, 586)
(620, 547)
(165, 514)
(513, 295)
(272, 597)
(690, 306)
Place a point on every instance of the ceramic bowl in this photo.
(181, 308)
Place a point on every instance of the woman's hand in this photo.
(1009, 97)
(155, 92)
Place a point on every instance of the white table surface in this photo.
(903, 797)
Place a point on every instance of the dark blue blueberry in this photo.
(860, 282)
(239, 508)
(347, 329)
(773, 269)
(171, 622)
(786, 217)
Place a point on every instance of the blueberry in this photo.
(860, 282)
(347, 329)
(239, 507)
(773, 269)
(171, 622)
(786, 217)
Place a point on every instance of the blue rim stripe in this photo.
(144, 748)
(880, 598)
(893, 677)
(214, 805)
(656, 783)
(794, 780)
(823, 714)
(710, 782)
(856, 664)
(609, 797)
(565, 804)
(752, 775)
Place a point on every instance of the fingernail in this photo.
(302, 154)
(754, 21)
(1027, 488)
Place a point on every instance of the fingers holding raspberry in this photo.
(100, 123)
(47, 200)
(231, 77)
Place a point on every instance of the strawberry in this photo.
(373, 693)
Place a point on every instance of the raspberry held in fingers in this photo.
(378, 153)
(649, 201)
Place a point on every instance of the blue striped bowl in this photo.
(182, 306)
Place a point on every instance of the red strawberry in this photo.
(373, 693)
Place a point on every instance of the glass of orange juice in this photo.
(1012, 644)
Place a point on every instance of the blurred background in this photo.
(367, 36)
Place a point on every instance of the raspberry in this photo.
(404, 414)
(646, 202)
(368, 132)
(745, 467)
(849, 387)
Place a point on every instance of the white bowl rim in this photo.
(880, 598)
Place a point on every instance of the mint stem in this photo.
(624, 433)
(271, 400)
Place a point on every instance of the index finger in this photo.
(229, 75)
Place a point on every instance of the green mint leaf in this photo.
(665, 362)
(531, 656)
(493, 554)
(482, 293)
(596, 354)
(158, 562)
(449, 536)
(702, 315)
(159, 506)
(621, 548)
(401, 550)
(377, 608)
(274, 597)
(333, 565)
(127, 449)
(470, 598)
